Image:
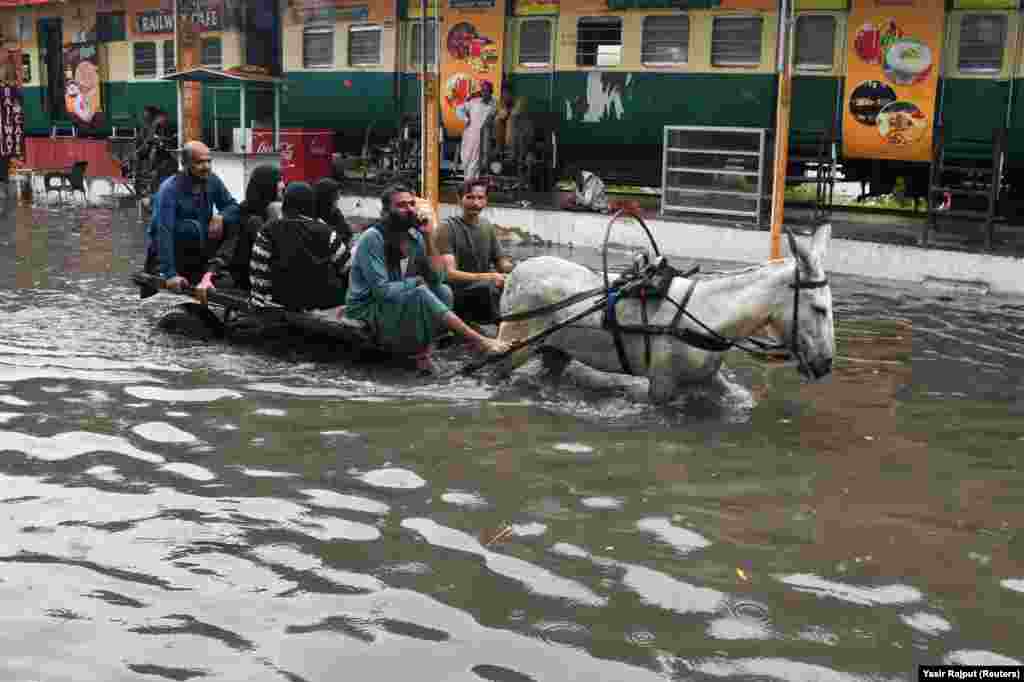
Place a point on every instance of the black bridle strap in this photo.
(797, 286)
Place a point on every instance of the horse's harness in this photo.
(647, 280)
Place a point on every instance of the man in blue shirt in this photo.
(184, 234)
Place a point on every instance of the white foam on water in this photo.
(526, 530)
(536, 579)
(227, 427)
(193, 471)
(976, 657)
(866, 596)
(194, 395)
(329, 498)
(661, 590)
(306, 392)
(59, 388)
(928, 623)
(1015, 584)
(575, 448)
(162, 432)
(267, 473)
(106, 473)
(601, 502)
(20, 373)
(681, 539)
(464, 499)
(571, 551)
(14, 401)
(64, 446)
(8, 416)
(270, 412)
(332, 528)
(176, 413)
(778, 668)
(739, 628)
(295, 559)
(395, 479)
(340, 432)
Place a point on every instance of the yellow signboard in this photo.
(527, 8)
(471, 56)
(894, 47)
(414, 9)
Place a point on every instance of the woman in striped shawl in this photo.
(296, 261)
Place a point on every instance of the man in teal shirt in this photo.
(406, 312)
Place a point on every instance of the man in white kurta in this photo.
(475, 113)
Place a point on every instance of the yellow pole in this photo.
(430, 154)
(785, 99)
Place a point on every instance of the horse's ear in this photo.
(799, 252)
(819, 243)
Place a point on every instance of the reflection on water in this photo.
(175, 509)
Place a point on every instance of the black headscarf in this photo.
(326, 191)
(299, 200)
(261, 192)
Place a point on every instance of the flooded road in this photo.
(173, 509)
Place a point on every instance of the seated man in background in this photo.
(184, 234)
(474, 261)
(297, 260)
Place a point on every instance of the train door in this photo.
(51, 67)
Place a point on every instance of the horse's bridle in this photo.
(797, 285)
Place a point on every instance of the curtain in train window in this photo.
(599, 41)
(815, 42)
(145, 60)
(535, 42)
(666, 40)
(318, 37)
(364, 45)
(982, 38)
(736, 41)
(415, 35)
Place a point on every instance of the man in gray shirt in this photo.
(473, 258)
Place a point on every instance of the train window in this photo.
(414, 42)
(535, 42)
(599, 41)
(26, 68)
(145, 60)
(168, 57)
(736, 41)
(982, 37)
(318, 38)
(364, 45)
(210, 53)
(666, 40)
(815, 42)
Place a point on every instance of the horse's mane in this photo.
(719, 274)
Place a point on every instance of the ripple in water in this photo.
(14, 401)
(9, 416)
(270, 412)
(975, 657)
(329, 498)
(681, 539)
(267, 473)
(194, 395)
(192, 471)
(392, 479)
(865, 596)
(601, 503)
(162, 432)
(563, 632)
(927, 623)
(574, 448)
(66, 446)
(1015, 584)
(464, 499)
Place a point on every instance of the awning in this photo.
(203, 74)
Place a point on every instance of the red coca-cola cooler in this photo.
(305, 152)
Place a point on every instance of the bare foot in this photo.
(493, 346)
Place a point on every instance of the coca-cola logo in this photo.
(264, 148)
(287, 152)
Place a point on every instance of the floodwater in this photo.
(173, 509)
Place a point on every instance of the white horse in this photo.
(789, 299)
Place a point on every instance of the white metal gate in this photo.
(713, 170)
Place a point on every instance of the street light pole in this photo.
(785, 99)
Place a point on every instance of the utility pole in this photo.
(430, 147)
(785, 99)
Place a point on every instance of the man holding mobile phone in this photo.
(407, 310)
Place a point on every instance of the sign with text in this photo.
(12, 122)
(526, 8)
(471, 56)
(892, 79)
(154, 21)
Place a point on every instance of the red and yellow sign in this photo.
(892, 78)
(471, 56)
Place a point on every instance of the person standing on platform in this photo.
(475, 113)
